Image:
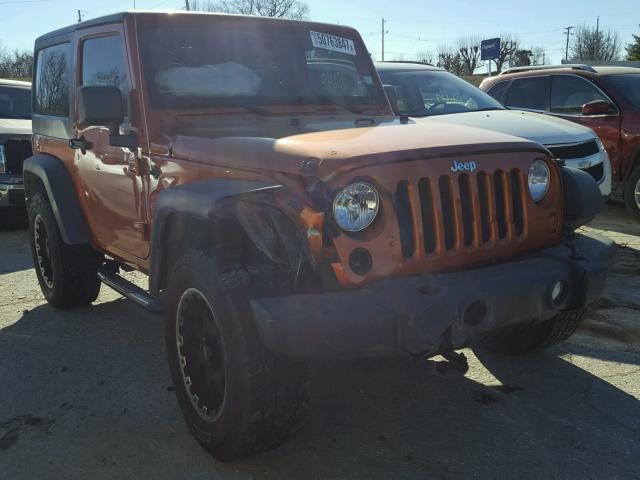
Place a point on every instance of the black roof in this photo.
(120, 16)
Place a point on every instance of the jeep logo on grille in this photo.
(463, 167)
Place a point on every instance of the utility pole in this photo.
(383, 22)
(597, 52)
(79, 16)
(568, 30)
(186, 5)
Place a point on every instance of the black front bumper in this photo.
(424, 314)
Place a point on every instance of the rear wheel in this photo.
(237, 398)
(632, 193)
(521, 339)
(67, 274)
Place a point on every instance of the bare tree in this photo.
(522, 58)
(450, 60)
(469, 49)
(508, 47)
(538, 56)
(591, 44)
(427, 56)
(15, 64)
(293, 9)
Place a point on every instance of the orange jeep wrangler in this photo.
(254, 170)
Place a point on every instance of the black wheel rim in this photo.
(201, 355)
(43, 253)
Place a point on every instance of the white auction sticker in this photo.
(331, 42)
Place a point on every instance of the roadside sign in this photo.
(490, 49)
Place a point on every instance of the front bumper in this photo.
(431, 313)
(11, 191)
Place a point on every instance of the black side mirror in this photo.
(392, 95)
(100, 106)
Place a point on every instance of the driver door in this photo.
(114, 192)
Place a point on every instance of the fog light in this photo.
(360, 261)
(559, 292)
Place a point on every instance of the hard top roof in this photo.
(120, 16)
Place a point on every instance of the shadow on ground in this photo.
(87, 393)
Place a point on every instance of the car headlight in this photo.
(539, 177)
(356, 206)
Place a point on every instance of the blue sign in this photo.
(490, 49)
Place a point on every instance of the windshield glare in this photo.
(15, 102)
(628, 85)
(423, 93)
(200, 66)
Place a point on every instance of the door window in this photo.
(103, 64)
(529, 93)
(499, 91)
(53, 65)
(570, 92)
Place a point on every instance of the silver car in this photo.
(430, 94)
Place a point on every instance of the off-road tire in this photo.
(631, 185)
(67, 274)
(522, 339)
(264, 395)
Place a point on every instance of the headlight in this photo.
(356, 207)
(538, 180)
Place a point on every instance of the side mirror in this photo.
(392, 95)
(597, 107)
(100, 106)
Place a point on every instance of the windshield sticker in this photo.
(333, 43)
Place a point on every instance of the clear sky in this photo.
(413, 25)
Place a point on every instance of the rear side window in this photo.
(53, 72)
(529, 93)
(103, 63)
(570, 92)
(499, 91)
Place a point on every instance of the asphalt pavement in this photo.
(86, 394)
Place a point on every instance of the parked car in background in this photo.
(606, 99)
(15, 140)
(432, 94)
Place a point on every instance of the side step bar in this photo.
(127, 289)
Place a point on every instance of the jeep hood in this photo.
(324, 154)
(542, 129)
(14, 126)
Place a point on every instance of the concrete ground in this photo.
(86, 394)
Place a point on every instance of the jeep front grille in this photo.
(466, 211)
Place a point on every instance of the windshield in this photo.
(15, 102)
(192, 64)
(423, 93)
(627, 85)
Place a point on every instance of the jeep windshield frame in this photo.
(201, 62)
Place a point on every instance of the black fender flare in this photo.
(582, 197)
(60, 190)
(196, 200)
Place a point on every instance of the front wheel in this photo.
(67, 274)
(632, 193)
(237, 398)
(521, 339)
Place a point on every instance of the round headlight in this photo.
(539, 177)
(356, 207)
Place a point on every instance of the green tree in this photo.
(633, 49)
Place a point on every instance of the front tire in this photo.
(67, 274)
(632, 193)
(236, 397)
(522, 339)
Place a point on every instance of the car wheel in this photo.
(67, 274)
(632, 193)
(236, 397)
